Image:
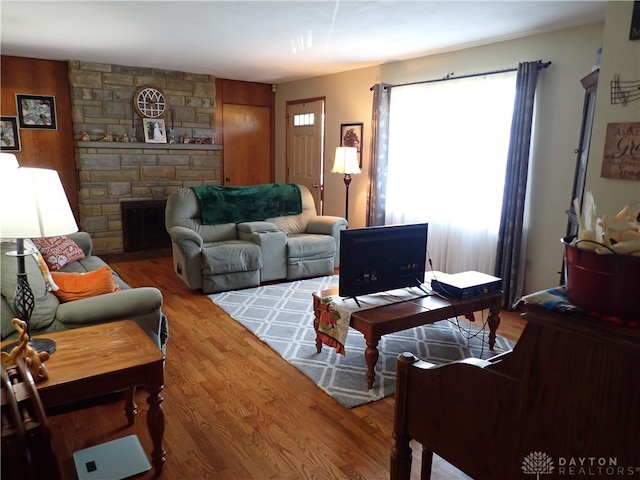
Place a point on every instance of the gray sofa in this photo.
(142, 305)
(229, 256)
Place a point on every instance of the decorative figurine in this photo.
(124, 138)
(85, 137)
(32, 359)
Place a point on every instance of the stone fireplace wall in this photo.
(115, 172)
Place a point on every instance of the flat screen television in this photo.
(376, 259)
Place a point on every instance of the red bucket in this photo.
(608, 284)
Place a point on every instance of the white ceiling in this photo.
(272, 41)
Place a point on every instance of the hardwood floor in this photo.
(234, 409)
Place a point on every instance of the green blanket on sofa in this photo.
(225, 204)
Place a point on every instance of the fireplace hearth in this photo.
(143, 225)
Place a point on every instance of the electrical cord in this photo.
(467, 335)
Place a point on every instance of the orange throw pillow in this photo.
(75, 286)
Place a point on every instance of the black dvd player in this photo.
(466, 284)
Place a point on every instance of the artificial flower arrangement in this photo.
(619, 235)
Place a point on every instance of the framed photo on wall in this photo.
(9, 134)
(634, 32)
(154, 130)
(351, 136)
(37, 111)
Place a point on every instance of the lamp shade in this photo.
(8, 161)
(33, 204)
(346, 161)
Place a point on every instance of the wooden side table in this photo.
(101, 359)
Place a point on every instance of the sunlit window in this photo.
(303, 119)
(448, 144)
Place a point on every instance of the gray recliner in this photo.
(231, 256)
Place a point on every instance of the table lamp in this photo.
(8, 161)
(346, 161)
(33, 204)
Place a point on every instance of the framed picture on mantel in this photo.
(154, 130)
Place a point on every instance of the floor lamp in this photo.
(33, 205)
(346, 161)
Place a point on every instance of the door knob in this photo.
(227, 179)
(315, 185)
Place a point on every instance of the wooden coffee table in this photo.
(101, 359)
(375, 322)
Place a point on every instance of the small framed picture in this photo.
(9, 134)
(154, 130)
(37, 111)
(634, 32)
(351, 136)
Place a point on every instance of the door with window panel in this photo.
(305, 146)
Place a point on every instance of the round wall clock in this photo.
(150, 101)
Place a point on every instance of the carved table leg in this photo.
(371, 356)
(316, 321)
(155, 423)
(130, 407)
(494, 322)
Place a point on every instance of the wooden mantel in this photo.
(149, 146)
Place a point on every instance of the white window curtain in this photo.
(448, 144)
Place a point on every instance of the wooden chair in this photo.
(568, 391)
(27, 446)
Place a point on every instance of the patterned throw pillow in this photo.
(58, 251)
(46, 274)
(75, 286)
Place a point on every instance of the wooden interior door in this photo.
(244, 127)
(305, 146)
(247, 144)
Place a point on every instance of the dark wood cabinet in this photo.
(590, 85)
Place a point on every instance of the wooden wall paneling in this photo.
(245, 128)
(246, 93)
(43, 148)
(218, 116)
(247, 148)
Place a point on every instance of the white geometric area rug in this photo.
(281, 315)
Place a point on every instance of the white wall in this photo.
(348, 100)
(620, 56)
(557, 130)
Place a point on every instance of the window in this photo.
(448, 145)
(303, 119)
